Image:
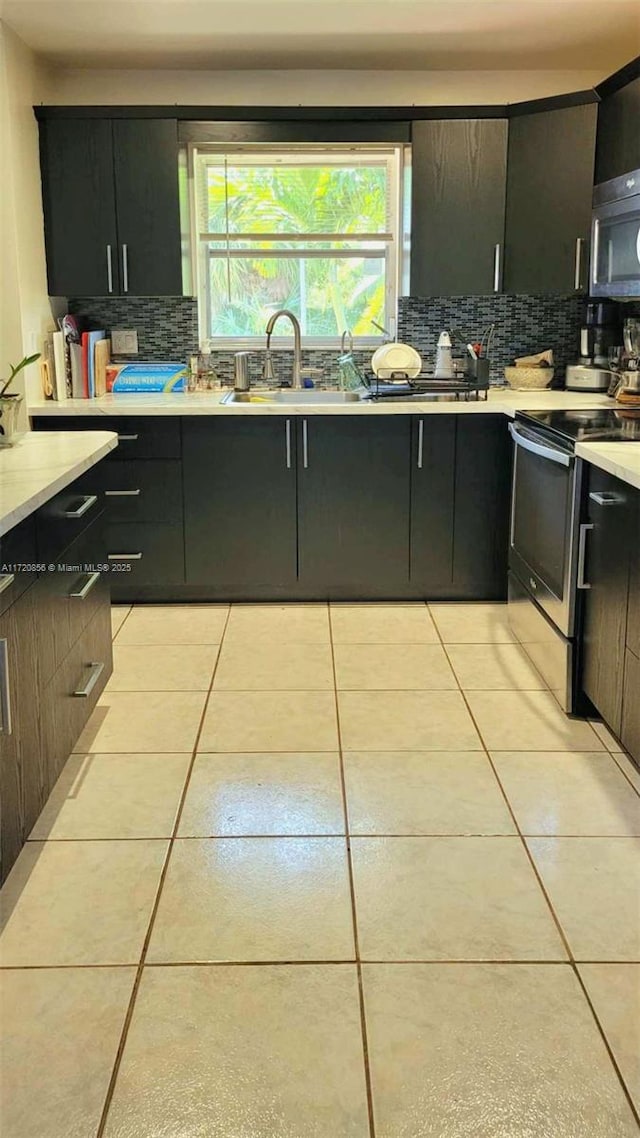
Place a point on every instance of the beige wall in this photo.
(322, 88)
(25, 313)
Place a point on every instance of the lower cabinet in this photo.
(239, 479)
(433, 457)
(55, 659)
(482, 507)
(353, 505)
(610, 668)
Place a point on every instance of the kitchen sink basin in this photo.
(308, 395)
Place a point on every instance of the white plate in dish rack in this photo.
(396, 358)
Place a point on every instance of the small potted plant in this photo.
(10, 402)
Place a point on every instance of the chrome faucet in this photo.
(296, 381)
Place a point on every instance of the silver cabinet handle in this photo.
(80, 594)
(124, 556)
(88, 501)
(420, 442)
(5, 694)
(605, 499)
(127, 438)
(595, 250)
(497, 252)
(6, 579)
(287, 434)
(109, 270)
(94, 676)
(121, 493)
(125, 269)
(577, 276)
(305, 445)
(582, 553)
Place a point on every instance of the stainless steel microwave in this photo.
(615, 237)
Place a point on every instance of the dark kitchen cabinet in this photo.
(610, 510)
(76, 158)
(630, 730)
(111, 206)
(549, 189)
(433, 448)
(240, 504)
(23, 784)
(353, 505)
(482, 501)
(458, 172)
(618, 137)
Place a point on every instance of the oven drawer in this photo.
(549, 651)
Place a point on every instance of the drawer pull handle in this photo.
(6, 579)
(121, 493)
(89, 501)
(5, 695)
(305, 445)
(287, 430)
(94, 676)
(127, 438)
(80, 594)
(420, 443)
(604, 499)
(124, 556)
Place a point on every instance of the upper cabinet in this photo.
(111, 207)
(457, 229)
(549, 188)
(618, 142)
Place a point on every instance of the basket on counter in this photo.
(528, 378)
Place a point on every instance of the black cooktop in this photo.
(608, 424)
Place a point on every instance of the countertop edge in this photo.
(622, 460)
(62, 477)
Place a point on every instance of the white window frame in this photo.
(311, 153)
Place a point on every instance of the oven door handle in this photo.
(542, 451)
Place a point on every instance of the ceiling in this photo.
(447, 35)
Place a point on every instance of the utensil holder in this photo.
(477, 369)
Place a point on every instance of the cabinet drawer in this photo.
(69, 596)
(145, 554)
(65, 709)
(61, 521)
(17, 547)
(138, 436)
(630, 732)
(143, 491)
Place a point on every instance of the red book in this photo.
(85, 365)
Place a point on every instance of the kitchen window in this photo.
(315, 229)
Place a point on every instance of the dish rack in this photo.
(460, 389)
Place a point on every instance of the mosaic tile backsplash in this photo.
(168, 329)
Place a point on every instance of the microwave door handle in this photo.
(542, 451)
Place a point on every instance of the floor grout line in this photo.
(345, 807)
(341, 962)
(563, 937)
(338, 835)
(154, 910)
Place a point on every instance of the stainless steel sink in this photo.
(288, 396)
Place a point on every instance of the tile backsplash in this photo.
(168, 329)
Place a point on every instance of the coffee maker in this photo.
(600, 340)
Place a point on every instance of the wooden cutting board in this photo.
(102, 356)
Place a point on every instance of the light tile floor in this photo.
(326, 872)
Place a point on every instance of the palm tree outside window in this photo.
(314, 229)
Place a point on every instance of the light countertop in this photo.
(40, 464)
(500, 401)
(620, 459)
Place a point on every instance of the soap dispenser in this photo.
(444, 360)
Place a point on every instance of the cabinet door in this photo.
(618, 139)
(240, 503)
(549, 190)
(630, 730)
(633, 609)
(432, 490)
(607, 572)
(79, 207)
(353, 505)
(146, 178)
(458, 177)
(482, 501)
(23, 782)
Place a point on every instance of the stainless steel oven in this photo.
(545, 522)
(615, 237)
